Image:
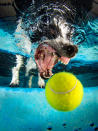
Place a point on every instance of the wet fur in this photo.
(59, 33)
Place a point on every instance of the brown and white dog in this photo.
(45, 30)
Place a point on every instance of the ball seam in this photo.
(64, 92)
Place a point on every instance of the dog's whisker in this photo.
(66, 7)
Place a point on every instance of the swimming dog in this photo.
(45, 33)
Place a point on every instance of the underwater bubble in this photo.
(64, 125)
(92, 124)
(80, 128)
(49, 128)
(96, 129)
(76, 130)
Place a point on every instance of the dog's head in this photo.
(53, 31)
(46, 57)
(57, 47)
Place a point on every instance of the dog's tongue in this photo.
(64, 60)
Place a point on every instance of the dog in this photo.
(45, 32)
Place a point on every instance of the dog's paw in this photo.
(41, 83)
(14, 85)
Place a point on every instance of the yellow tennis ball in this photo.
(64, 91)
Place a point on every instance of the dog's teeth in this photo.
(53, 54)
(64, 63)
(43, 73)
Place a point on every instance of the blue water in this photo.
(24, 109)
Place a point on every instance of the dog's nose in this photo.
(71, 50)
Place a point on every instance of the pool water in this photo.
(26, 109)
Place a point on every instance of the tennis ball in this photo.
(64, 91)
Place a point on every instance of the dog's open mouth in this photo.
(46, 57)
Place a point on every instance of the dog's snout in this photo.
(70, 50)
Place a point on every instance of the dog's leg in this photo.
(30, 81)
(41, 82)
(30, 65)
(15, 71)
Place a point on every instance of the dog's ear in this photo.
(22, 4)
(83, 4)
(82, 7)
